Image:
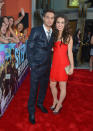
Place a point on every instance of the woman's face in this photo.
(11, 21)
(60, 24)
(25, 32)
(20, 27)
(6, 21)
(3, 29)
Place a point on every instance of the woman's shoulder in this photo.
(69, 39)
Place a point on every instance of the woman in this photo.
(91, 53)
(21, 32)
(62, 57)
(5, 39)
(6, 21)
(3, 30)
(13, 22)
(76, 45)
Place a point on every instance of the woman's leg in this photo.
(62, 86)
(54, 92)
(90, 63)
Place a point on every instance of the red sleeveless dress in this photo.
(59, 62)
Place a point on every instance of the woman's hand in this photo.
(22, 12)
(71, 71)
(8, 38)
(1, 4)
(52, 49)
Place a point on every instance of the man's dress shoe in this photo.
(32, 118)
(42, 108)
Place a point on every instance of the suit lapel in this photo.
(44, 35)
(43, 32)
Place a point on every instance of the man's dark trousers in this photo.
(43, 80)
(39, 58)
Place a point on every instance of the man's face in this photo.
(48, 19)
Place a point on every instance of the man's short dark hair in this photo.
(48, 10)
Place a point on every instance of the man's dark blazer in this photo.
(39, 49)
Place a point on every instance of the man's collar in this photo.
(46, 29)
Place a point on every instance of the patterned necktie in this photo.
(48, 35)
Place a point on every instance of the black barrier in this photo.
(13, 67)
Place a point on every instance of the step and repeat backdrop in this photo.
(13, 69)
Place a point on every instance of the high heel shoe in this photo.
(90, 69)
(52, 108)
(56, 112)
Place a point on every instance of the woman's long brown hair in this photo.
(66, 32)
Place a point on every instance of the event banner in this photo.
(13, 67)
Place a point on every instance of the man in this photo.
(39, 58)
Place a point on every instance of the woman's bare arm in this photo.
(3, 40)
(20, 18)
(91, 41)
(70, 54)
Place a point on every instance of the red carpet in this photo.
(76, 115)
